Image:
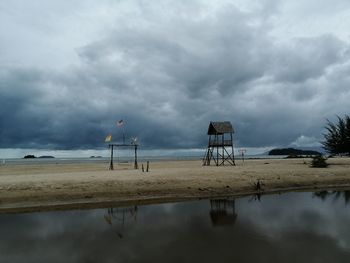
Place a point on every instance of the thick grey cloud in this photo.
(167, 69)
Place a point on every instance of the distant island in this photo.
(292, 151)
(31, 156)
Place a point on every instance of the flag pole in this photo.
(121, 124)
(123, 132)
(111, 161)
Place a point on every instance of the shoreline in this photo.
(48, 187)
(51, 207)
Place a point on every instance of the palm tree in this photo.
(347, 133)
(337, 138)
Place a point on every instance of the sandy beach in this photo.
(31, 187)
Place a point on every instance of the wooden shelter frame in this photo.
(113, 145)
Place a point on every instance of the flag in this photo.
(133, 140)
(120, 123)
(108, 138)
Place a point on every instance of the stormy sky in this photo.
(69, 70)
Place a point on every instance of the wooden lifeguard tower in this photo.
(219, 145)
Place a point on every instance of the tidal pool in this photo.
(291, 227)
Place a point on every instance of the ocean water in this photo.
(72, 160)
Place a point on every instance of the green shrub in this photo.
(319, 162)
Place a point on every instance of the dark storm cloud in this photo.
(35, 116)
(197, 56)
(167, 74)
(306, 58)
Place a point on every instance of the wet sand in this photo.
(31, 187)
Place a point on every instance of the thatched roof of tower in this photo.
(220, 127)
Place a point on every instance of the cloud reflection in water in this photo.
(293, 227)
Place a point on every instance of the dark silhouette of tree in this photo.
(347, 133)
(337, 138)
(335, 194)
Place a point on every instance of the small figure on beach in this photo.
(242, 152)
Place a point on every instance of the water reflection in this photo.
(293, 227)
(222, 212)
(334, 194)
(256, 197)
(118, 217)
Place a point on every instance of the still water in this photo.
(291, 227)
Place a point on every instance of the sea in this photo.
(128, 159)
